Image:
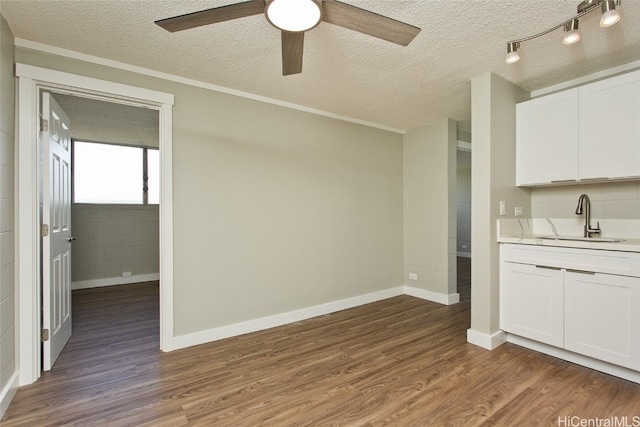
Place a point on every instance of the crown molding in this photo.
(70, 54)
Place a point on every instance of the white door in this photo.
(56, 219)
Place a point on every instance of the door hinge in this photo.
(45, 335)
(45, 230)
(44, 125)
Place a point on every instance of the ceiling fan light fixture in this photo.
(294, 15)
(571, 35)
(610, 15)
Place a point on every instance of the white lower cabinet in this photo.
(532, 302)
(602, 317)
(589, 313)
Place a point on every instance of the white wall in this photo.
(114, 240)
(275, 210)
(430, 208)
(493, 126)
(7, 176)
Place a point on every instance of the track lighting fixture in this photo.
(512, 52)
(571, 33)
(610, 16)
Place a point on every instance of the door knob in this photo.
(71, 238)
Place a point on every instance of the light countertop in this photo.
(520, 232)
(630, 245)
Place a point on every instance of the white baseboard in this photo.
(113, 281)
(464, 254)
(484, 340)
(7, 393)
(578, 359)
(256, 325)
(432, 296)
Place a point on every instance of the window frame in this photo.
(145, 172)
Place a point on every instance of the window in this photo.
(115, 174)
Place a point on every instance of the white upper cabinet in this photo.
(610, 128)
(547, 139)
(581, 134)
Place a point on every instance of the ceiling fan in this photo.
(294, 17)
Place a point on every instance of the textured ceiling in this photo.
(344, 72)
(100, 121)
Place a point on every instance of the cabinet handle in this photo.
(558, 181)
(628, 177)
(546, 267)
(602, 178)
(591, 273)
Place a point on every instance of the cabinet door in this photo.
(531, 302)
(547, 139)
(602, 317)
(610, 128)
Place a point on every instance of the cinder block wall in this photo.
(430, 210)
(114, 240)
(7, 227)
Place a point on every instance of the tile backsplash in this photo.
(614, 200)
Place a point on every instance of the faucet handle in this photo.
(594, 230)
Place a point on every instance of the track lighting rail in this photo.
(585, 7)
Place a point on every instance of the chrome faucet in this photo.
(583, 201)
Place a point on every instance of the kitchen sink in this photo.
(581, 239)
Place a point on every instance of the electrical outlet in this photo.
(517, 211)
(503, 208)
(413, 276)
(126, 274)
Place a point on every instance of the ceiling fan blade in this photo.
(292, 48)
(370, 23)
(211, 16)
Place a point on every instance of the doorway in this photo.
(32, 80)
(113, 209)
(463, 199)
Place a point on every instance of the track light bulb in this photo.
(512, 57)
(512, 53)
(571, 35)
(610, 15)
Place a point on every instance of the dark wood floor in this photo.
(401, 362)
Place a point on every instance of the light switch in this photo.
(503, 208)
